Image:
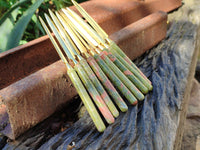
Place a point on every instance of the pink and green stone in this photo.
(121, 76)
(128, 73)
(86, 100)
(99, 88)
(107, 84)
(130, 65)
(115, 80)
(94, 94)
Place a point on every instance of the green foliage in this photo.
(5, 5)
(13, 7)
(13, 23)
(17, 32)
(19, 20)
(5, 28)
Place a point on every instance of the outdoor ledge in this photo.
(118, 14)
(112, 15)
(35, 97)
(155, 123)
(34, 84)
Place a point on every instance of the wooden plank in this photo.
(154, 124)
(50, 87)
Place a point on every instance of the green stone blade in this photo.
(54, 43)
(63, 34)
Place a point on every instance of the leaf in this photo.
(7, 14)
(22, 42)
(7, 23)
(5, 29)
(19, 28)
(38, 25)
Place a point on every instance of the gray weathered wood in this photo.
(154, 124)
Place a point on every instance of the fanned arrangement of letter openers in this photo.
(99, 70)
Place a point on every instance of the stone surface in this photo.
(198, 143)
(192, 124)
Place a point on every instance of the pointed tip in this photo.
(50, 11)
(40, 18)
(73, 1)
(46, 16)
(68, 9)
(56, 13)
(64, 10)
(41, 21)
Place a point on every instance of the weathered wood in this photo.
(37, 96)
(157, 122)
(38, 135)
(192, 124)
(154, 124)
(189, 12)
